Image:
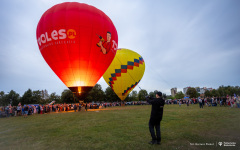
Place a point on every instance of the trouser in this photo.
(155, 124)
(238, 105)
(18, 112)
(7, 113)
(224, 103)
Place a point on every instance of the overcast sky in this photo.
(183, 42)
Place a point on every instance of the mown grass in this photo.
(122, 128)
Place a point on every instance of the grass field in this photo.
(122, 128)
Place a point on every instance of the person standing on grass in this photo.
(238, 102)
(230, 102)
(225, 101)
(86, 107)
(80, 106)
(15, 111)
(212, 101)
(216, 101)
(34, 109)
(180, 103)
(156, 117)
(200, 102)
(19, 108)
(25, 111)
(7, 111)
(187, 102)
(10, 110)
(221, 101)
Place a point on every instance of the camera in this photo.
(101, 39)
(148, 97)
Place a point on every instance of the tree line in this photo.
(42, 97)
(219, 92)
(223, 91)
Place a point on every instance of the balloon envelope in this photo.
(78, 42)
(125, 72)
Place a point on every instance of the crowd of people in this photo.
(25, 110)
(231, 101)
(227, 101)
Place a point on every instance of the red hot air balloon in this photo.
(78, 42)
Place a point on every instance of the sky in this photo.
(183, 43)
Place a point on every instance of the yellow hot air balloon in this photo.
(125, 72)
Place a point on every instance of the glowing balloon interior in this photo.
(78, 42)
(125, 72)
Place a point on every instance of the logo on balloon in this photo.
(71, 34)
(56, 35)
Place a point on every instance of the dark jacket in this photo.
(157, 108)
(26, 108)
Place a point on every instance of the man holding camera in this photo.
(105, 45)
(156, 117)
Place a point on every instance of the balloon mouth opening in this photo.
(80, 91)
